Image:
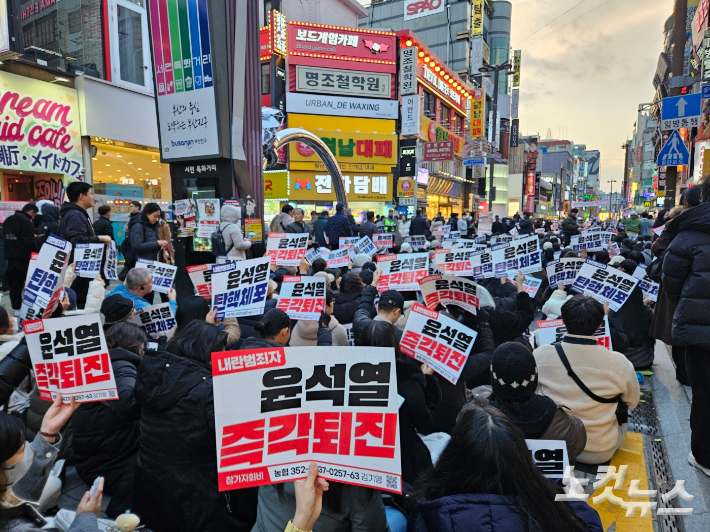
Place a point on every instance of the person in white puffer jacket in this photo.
(552, 309)
(232, 234)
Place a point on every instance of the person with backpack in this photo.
(228, 240)
(282, 220)
(144, 234)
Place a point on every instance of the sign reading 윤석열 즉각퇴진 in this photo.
(402, 272)
(40, 126)
(302, 298)
(304, 404)
(184, 79)
(286, 249)
(449, 290)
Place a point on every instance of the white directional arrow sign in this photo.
(681, 107)
(681, 112)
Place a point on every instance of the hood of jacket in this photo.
(345, 306)
(49, 210)
(165, 378)
(119, 353)
(68, 207)
(230, 214)
(306, 332)
(693, 219)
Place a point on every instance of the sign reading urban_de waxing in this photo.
(40, 127)
(323, 104)
(187, 117)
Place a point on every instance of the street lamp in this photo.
(485, 70)
(611, 198)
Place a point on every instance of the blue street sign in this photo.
(674, 152)
(476, 161)
(706, 92)
(681, 111)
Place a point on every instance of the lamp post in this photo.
(611, 198)
(496, 69)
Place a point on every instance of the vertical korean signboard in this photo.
(408, 70)
(516, 67)
(478, 104)
(187, 117)
(477, 23)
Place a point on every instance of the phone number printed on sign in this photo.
(303, 404)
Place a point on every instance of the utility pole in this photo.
(611, 198)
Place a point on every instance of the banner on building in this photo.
(87, 260)
(70, 357)
(604, 283)
(563, 271)
(286, 249)
(449, 290)
(208, 216)
(201, 277)
(408, 70)
(402, 272)
(553, 331)
(438, 151)
(111, 264)
(239, 288)
(477, 23)
(292, 411)
(302, 298)
(163, 275)
(44, 279)
(324, 104)
(478, 107)
(517, 56)
(157, 320)
(514, 132)
(438, 340)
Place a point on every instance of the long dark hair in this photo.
(487, 455)
(191, 309)
(352, 284)
(149, 208)
(197, 341)
(127, 335)
(12, 436)
(380, 334)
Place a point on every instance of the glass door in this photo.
(130, 50)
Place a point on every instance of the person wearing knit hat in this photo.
(514, 380)
(405, 248)
(117, 308)
(547, 245)
(435, 244)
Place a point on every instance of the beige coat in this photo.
(305, 333)
(606, 373)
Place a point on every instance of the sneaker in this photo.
(696, 465)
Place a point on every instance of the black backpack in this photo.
(219, 248)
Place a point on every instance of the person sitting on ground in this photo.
(389, 308)
(607, 374)
(485, 480)
(117, 309)
(512, 391)
(138, 283)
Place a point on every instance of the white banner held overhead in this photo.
(111, 264)
(240, 288)
(591, 241)
(402, 272)
(457, 263)
(163, 275)
(563, 271)
(338, 258)
(521, 255)
(482, 264)
(157, 320)
(302, 298)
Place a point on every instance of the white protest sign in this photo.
(349, 331)
(302, 298)
(438, 340)
(553, 331)
(482, 264)
(456, 262)
(593, 240)
(286, 249)
(442, 231)
(338, 258)
(208, 212)
(604, 283)
(163, 275)
(312, 254)
(297, 405)
(87, 259)
(648, 286)
(157, 320)
(449, 290)
(501, 238)
(417, 242)
(70, 357)
(563, 271)
(44, 279)
(364, 245)
(530, 285)
(549, 456)
(201, 277)
(240, 288)
(383, 241)
(402, 272)
(520, 255)
(347, 241)
(453, 235)
(111, 264)
(465, 245)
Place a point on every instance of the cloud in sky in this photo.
(588, 76)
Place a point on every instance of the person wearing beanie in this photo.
(435, 244)
(359, 261)
(514, 380)
(405, 248)
(117, 308)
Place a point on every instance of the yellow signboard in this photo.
(276, 184)
(368, 148)
(478, 112)
(430, 131)
(477, 25)
(345, 167)
(516, 67)
(315, 186)
(406, 187)
(334, 123)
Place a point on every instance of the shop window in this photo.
(444, 115)
(62, 35)
(458, 125)
(130, 51)
(429, 105)
(265, 79)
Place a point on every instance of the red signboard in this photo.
(264, 44)
(338, 47)
(530, 190)
(438, 151)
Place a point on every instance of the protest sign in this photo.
(186, 216)
(540, 231)
(592, 240)
(456, 263)
(402, 272)
(44, 279)
(240, 288)
(338, 258)
(501, 238)
(70, 357)
(449, 290)
(312, 254)
(349, 331)
(453, 235)
(465, 245)
(347, 241)
(383, 241)
(658, 230)
(364, 245)
(163, 274)
(208, 212)
(201, 277)
(417, 242)
(286, 249)
(111, 264)
(157, 320)
(485, 224)
(302, 298)
(563, 271)
(442, 231)
(549, 456)
(438, 340)
(648, 286)
(87, 260)
(482, 264)
(553, 331)
(604, 283)
(522, 255)
(530, 285)
(292, 411)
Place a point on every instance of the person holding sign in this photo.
(275, 330)
(137, 285)
(390, 307)
(485, 478)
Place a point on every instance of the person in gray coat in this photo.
(232, 233)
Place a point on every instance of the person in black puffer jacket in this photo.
(419, 225)
(686, 281)
(49, 222)
(508, 326)
(145, 242)
(525, 225)
(348, 299)
(106, 433)
(176, 485)
(275, 331)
